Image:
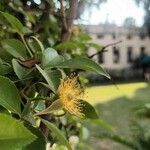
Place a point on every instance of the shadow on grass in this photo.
(143, 94)
(120, 114)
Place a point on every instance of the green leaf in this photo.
(96, 46)
(84, 37)
(3, 20)
(5, 68)
(20, 71)
(88, 110)
(5, 56)
(9, 95)
(52, 78)
(28, 14)
(55, 77)
(57, 60)
(13, 135)
(4, 110)
(26, 30)
(67, 45)
(15, 23)
(50, 57)
(83, 63)
(39, 143)
(15, 48)
(58, 133)
(26, 111)
(39, 43)
(55, 106)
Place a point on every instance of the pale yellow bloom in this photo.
(70, 93)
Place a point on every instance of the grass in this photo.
(116, 106)
(101, 94)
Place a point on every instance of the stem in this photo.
(103, 49)
(22, 37)
(22, 80)
(38, 98)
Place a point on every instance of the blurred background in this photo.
(120, 31)
(123, 27)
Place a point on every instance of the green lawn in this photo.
(116, 106)
(101, 94)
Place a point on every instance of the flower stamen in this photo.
(70, 93)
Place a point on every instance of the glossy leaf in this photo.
(15, 48)
(9, 95)
(4, 110)
(5, 68)
(5, 56)
(52, 78)
(26, 30)
(15, 23)
(85, 64)
(55, 62)
(58, 134)
(55, 106)
(13, 135)
(50, 57)
(39, 143)
(20, 71)
(88, 110)
(39, 42)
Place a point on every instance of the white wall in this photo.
(135, 42)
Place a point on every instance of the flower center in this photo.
(69, 97)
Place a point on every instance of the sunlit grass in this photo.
(117, 106)
(100, 94)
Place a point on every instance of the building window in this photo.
(129, 54)
(100, 36)
(142, 36)
(101, 57)
(129, 36)
(116, 55)
(142, 51)
(113, 35)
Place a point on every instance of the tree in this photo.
(146, 5)
(87, 5)
(129, 22)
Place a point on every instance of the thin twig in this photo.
(103, 48)
(28, 49)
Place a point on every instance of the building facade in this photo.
(134, 44)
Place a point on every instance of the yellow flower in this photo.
(70, 93)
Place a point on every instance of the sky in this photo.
(115, 11)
